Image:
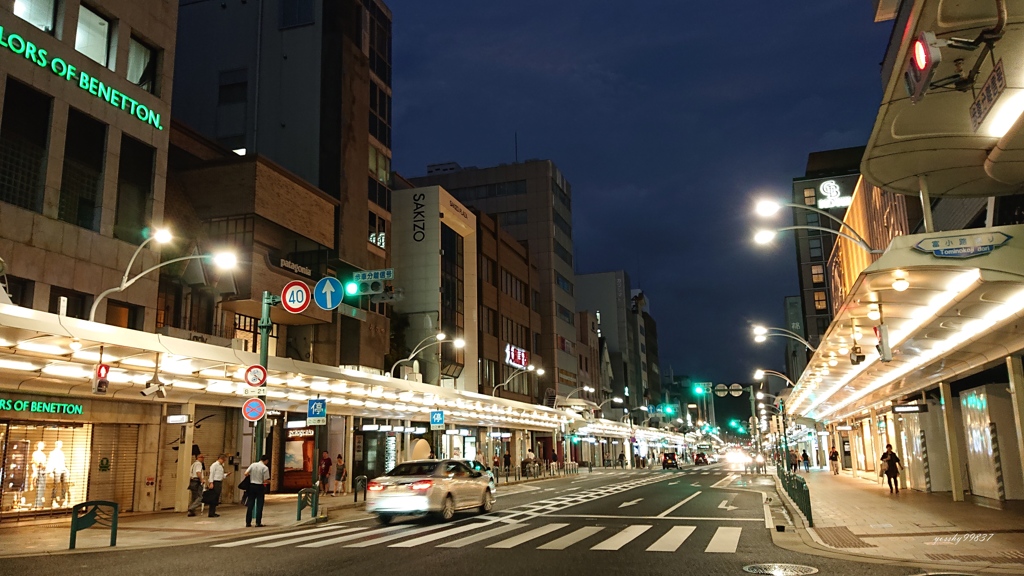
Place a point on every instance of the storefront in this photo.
(379, 445)
(57, 452)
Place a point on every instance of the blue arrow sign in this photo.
(327, 293)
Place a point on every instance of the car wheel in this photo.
(385, 519)
(447, 509)
(488, 504)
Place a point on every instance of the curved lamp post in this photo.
(770, 208)
(494, 392)
(223, 260)
(433, 340)
(761, 333)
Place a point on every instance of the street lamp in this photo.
(494, 392)
(770, 207)
(761, 333)
(427, 342)
(578, 390)
(222, 260)
(760, 373)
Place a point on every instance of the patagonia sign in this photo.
(36, 407)
(40, 57)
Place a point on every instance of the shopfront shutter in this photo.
(112, 467)
(208, 434)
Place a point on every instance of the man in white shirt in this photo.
(216, 482)
(259, 485)
(195, 484)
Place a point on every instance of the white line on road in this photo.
(673, 509)
(437, 535)
(624, 537)
(350, 537)
(268, 538)
(724, 541)
(307, 537)
(391, 537)
(724, 481)
(532, 534)
(482, 536)
(630, 503)
(572, 538)
(672, 539)
(671, 518)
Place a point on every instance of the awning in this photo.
(955, 318)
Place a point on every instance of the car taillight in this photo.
(421, 485)
(374, 487)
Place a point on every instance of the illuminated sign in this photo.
(833, 196)
(300, 433)
(40, 407)
(38, 56)
(517, 357)
(844, 428)
(178, 419)
(964, 245)
(910, 408)
(295, 424)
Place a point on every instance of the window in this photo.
(380, 114)
(818, 274)
(380, 41)
(820, 302)
(809, 197)
(567, 315)
(39, 13)
(142, 65)
(380, 194)
(643, 348)
(24, 137)
(487, 270)
(134, 190)
(490, 190)
(563, 253)
(562, 225)
(560, 195)
(19, 290)
(93, 38)
(814, 246)
(125, 315)
(514, 218)
(378, 231)
(81, 186)
(380, 166)
(564, 284)
(536, 342)
(488, 321)
(247, 329)
(513, 286)
(168, 304)
(453, 298)
(813, 219)
(488, 373)
(78, 303)
(535, 301)
(296, 13)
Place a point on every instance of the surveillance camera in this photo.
(161, 391)
(150, 390)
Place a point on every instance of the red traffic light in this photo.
(102, 370)
(920, 54)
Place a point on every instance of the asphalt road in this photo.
(633, 522)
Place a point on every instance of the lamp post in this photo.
(223, 260)
(770, 207)
(761, 333)
(438, 339)
(494, 392)
(766, 236)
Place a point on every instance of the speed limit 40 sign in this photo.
(295, 297)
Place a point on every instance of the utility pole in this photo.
(265, 325)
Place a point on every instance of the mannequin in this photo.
(56, 465)
(39, 472)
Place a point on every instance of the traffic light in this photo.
(99, 379)
(924, 59)
(668, 410)
(698, 389)
(354, 288)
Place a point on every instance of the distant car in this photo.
(668, 460)
(477, 466)
(700, 459)
(421, 487)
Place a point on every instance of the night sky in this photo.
(668, 118)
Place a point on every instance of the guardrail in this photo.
(797, 489)
(355, 487)
(95, 515)
(307, 498)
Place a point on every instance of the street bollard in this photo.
(80, 521)
(355, 487)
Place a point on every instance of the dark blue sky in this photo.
(668, 118)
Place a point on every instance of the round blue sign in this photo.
(328, 293)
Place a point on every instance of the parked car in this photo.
(700, 459)
(477, 466)
(420, 487)
(668, 460)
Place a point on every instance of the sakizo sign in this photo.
(19, 46)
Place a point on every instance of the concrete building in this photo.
(307, 86)
(647, 337)
(796, 353)
(532, 201)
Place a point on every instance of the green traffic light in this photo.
(351, 288)
(698, 390)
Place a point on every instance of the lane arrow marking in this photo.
(328, 291)
(630, 503)
(726, 506)
(695, 484)
(673, 483)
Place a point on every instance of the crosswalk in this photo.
(493, 534)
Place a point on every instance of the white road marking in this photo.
(350, 537)
(670, 518)
(724, 541)
(571, 538)
(724, 505)
(307, 537)
(438, 535)
(624, 537)
(630, 503)
(481, 536)
(672, 539)
(673, 509)
(389, 538)
(526, 537)
(273, 537)
(724, 481)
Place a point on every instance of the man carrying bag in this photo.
(258, 475)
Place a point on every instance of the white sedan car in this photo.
(420, 487)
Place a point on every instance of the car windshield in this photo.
(413, 469)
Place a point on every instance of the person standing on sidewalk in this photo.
(259, 485)
(807, 461)
(340, 476)
(216, 483)
(833, 460)
(508, 460)
(891, 466)
(325, 473)
(195, 484)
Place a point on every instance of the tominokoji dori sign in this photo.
(18, 45)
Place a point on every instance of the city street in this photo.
(636, 522)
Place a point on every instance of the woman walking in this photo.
(891, 467)
(340, 476)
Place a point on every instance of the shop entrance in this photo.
(46, 468)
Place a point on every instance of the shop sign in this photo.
(300, 433)
(910, 408)
(357, 448)
(419, 217)
(517, 357)
(964, 245)
(37, 407)
(844, 428)
(39, 56)
(833, 197)
(178, 419)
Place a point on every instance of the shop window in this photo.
(46, 467)
(820, 302)
(81, 186)
(19, 290)
(40, 13)
(134, 190)
(93, 37)
(24, 137)
(142, 65)
(78, 303)
(818, 274)
(125, 315)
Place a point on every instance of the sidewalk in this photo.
(861, 517)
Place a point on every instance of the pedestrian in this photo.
(891, 467)
(508, 460)
(216, 483)
(792, 461)
(195, 484)
(622, 460)
(340, 476)
(530, 455)
(259, 485)
(325, 473)
(833, 460)
(807, 461)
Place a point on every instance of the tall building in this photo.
(647, 338)
(796, 353)
(306, 84)
(532, 201)
(828, 184)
